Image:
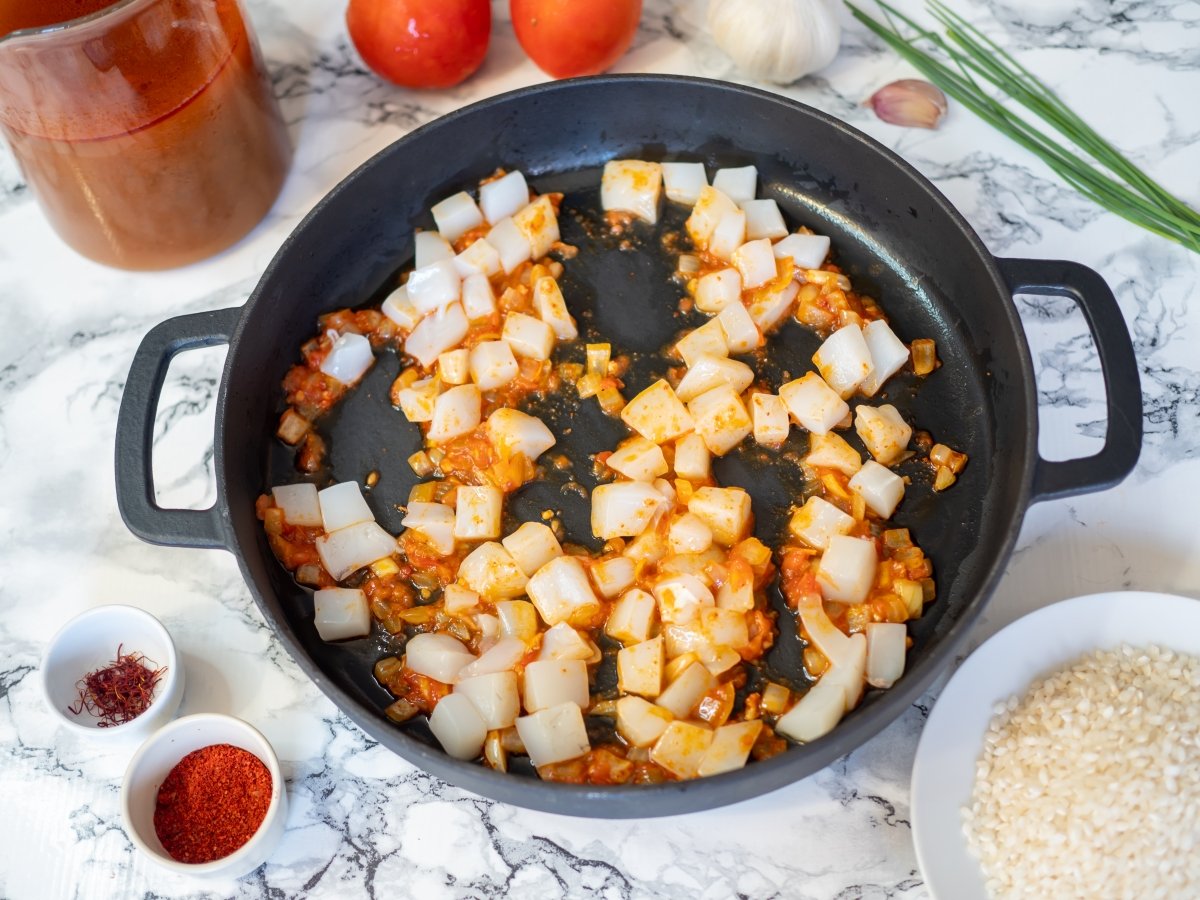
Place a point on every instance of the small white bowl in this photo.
(156, 758)
(89, 642)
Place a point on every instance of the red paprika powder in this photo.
(211, 803)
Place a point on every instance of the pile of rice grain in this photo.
(1089, 785)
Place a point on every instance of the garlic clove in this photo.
(910, 102)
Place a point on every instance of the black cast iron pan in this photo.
(895, 235)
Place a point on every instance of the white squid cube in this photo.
(400, 310)
(720, 419)
(538, 224)
(834, 643)
(455, 413)
(632, 186)
(495, 697)
(729, 234)
(640, 668)
(736, 593)
(489, 636)
(342, 505)
(641, 722)
(880, 487)
(844, 360)
(632, 617)
(434, 522)
(847, 569)
(851, 674)
(551, 682)
(492, 365)
(300, 504)
(436, 334)
(681, 749)
(457, 599)
(419, 398)
(341, 613)
(739, 185)
(528, 336)
(708, 372)
(437, 285)
(551, 308)
(502, 656)
(564, 642)
(512, 431)
(689, 534)
(730, 748)
(454, 366)
(456, 215)
(888, 355)
(684, 181)
(478, 300)
(437, 656)
(770, 306)
(682, 694)
(657, 414)
(648, 547)
(807, 251)
(639, 459)
(562, 593)
(491, 570)
(755, 262)
(707, 340)
(501, 198)
(726, 510)
(813, 404)
(680, 599)
(510, 243)
(430, 247)
(347, 550)
(481, 258)
(763, 220)
(724, 627)
(612, 576)
(532, 546)
(831, 451)
(349, 358)
(771, 422)
(816, 713)
(458, 726)
(554, 735)
(717, 290)
(711, 206)
(624, 509)
(741, 334)
(817, 521)
(693, 460)
(883, 431)
(477, 512)
(887, 643)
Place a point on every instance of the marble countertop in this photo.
(362, 821)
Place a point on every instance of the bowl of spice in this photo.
(112, 673)
(205, 796)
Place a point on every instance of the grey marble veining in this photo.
(362, 821)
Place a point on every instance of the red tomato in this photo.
(421, 43)
(575, 37)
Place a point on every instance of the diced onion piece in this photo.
(561, 641)
(437, 656)
(495, 697)
(682, 694)
(741, 334)
(737, 592)
(348, 358)
(771, 305)
(481, 258)
(844, 360)
(436, 334)
(640, 668)
(430, 247)
(624, 509)
(716, 290)
(341, 613)
(816, 713)
(851, 673)
(883, 431)
(457, 599)
(434, 522)
(726, 510)
(924, 353)
(455, 413)
(489, 632)
(680, 599)
(707, 340)
(436, 286)
(771, 422)
(456, 215)
(501, 198)
(512, 431)
(492, 365)
(502, 656)
(598, 358)
(554, 735)
(729, 234)
(528, 336)
(477, 513)
(454, 366)
(739, 185)
(491, 570)
(730, 748)
(763, 220)
(632, 186)
(775, 698)
(300, 503)
(518, 620)
(538, 223)
(720, 419)
(818, 521)
(478, 301)
(458, 726)
(886, 647)
(632, 617)
(657, 414)
(690, 534)
(612, 576)
(532, 546)
(562, 593)
(292, 427)
(880, 487)
(343, 504)
(419, 398)
(692, 459)
(831, 451)
(641, 722)
(551, 682)
(710, 208)
(510, 243)
(708, 372)
(755, 262)
(807, 251)
(684, 181)
(639, 459)
(552, 309)
(813, 404)
(847, 569)
(888, 355)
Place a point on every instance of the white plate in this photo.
(1006, 664)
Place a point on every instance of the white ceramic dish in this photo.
(89, 642)
(1006, 664)
(158, 756)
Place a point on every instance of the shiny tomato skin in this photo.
(421, 43)
(567, 38)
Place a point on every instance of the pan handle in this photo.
(1118, 365)
(199, 528)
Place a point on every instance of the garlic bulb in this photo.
(776, 40)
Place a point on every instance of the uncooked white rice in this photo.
(1089, 785)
